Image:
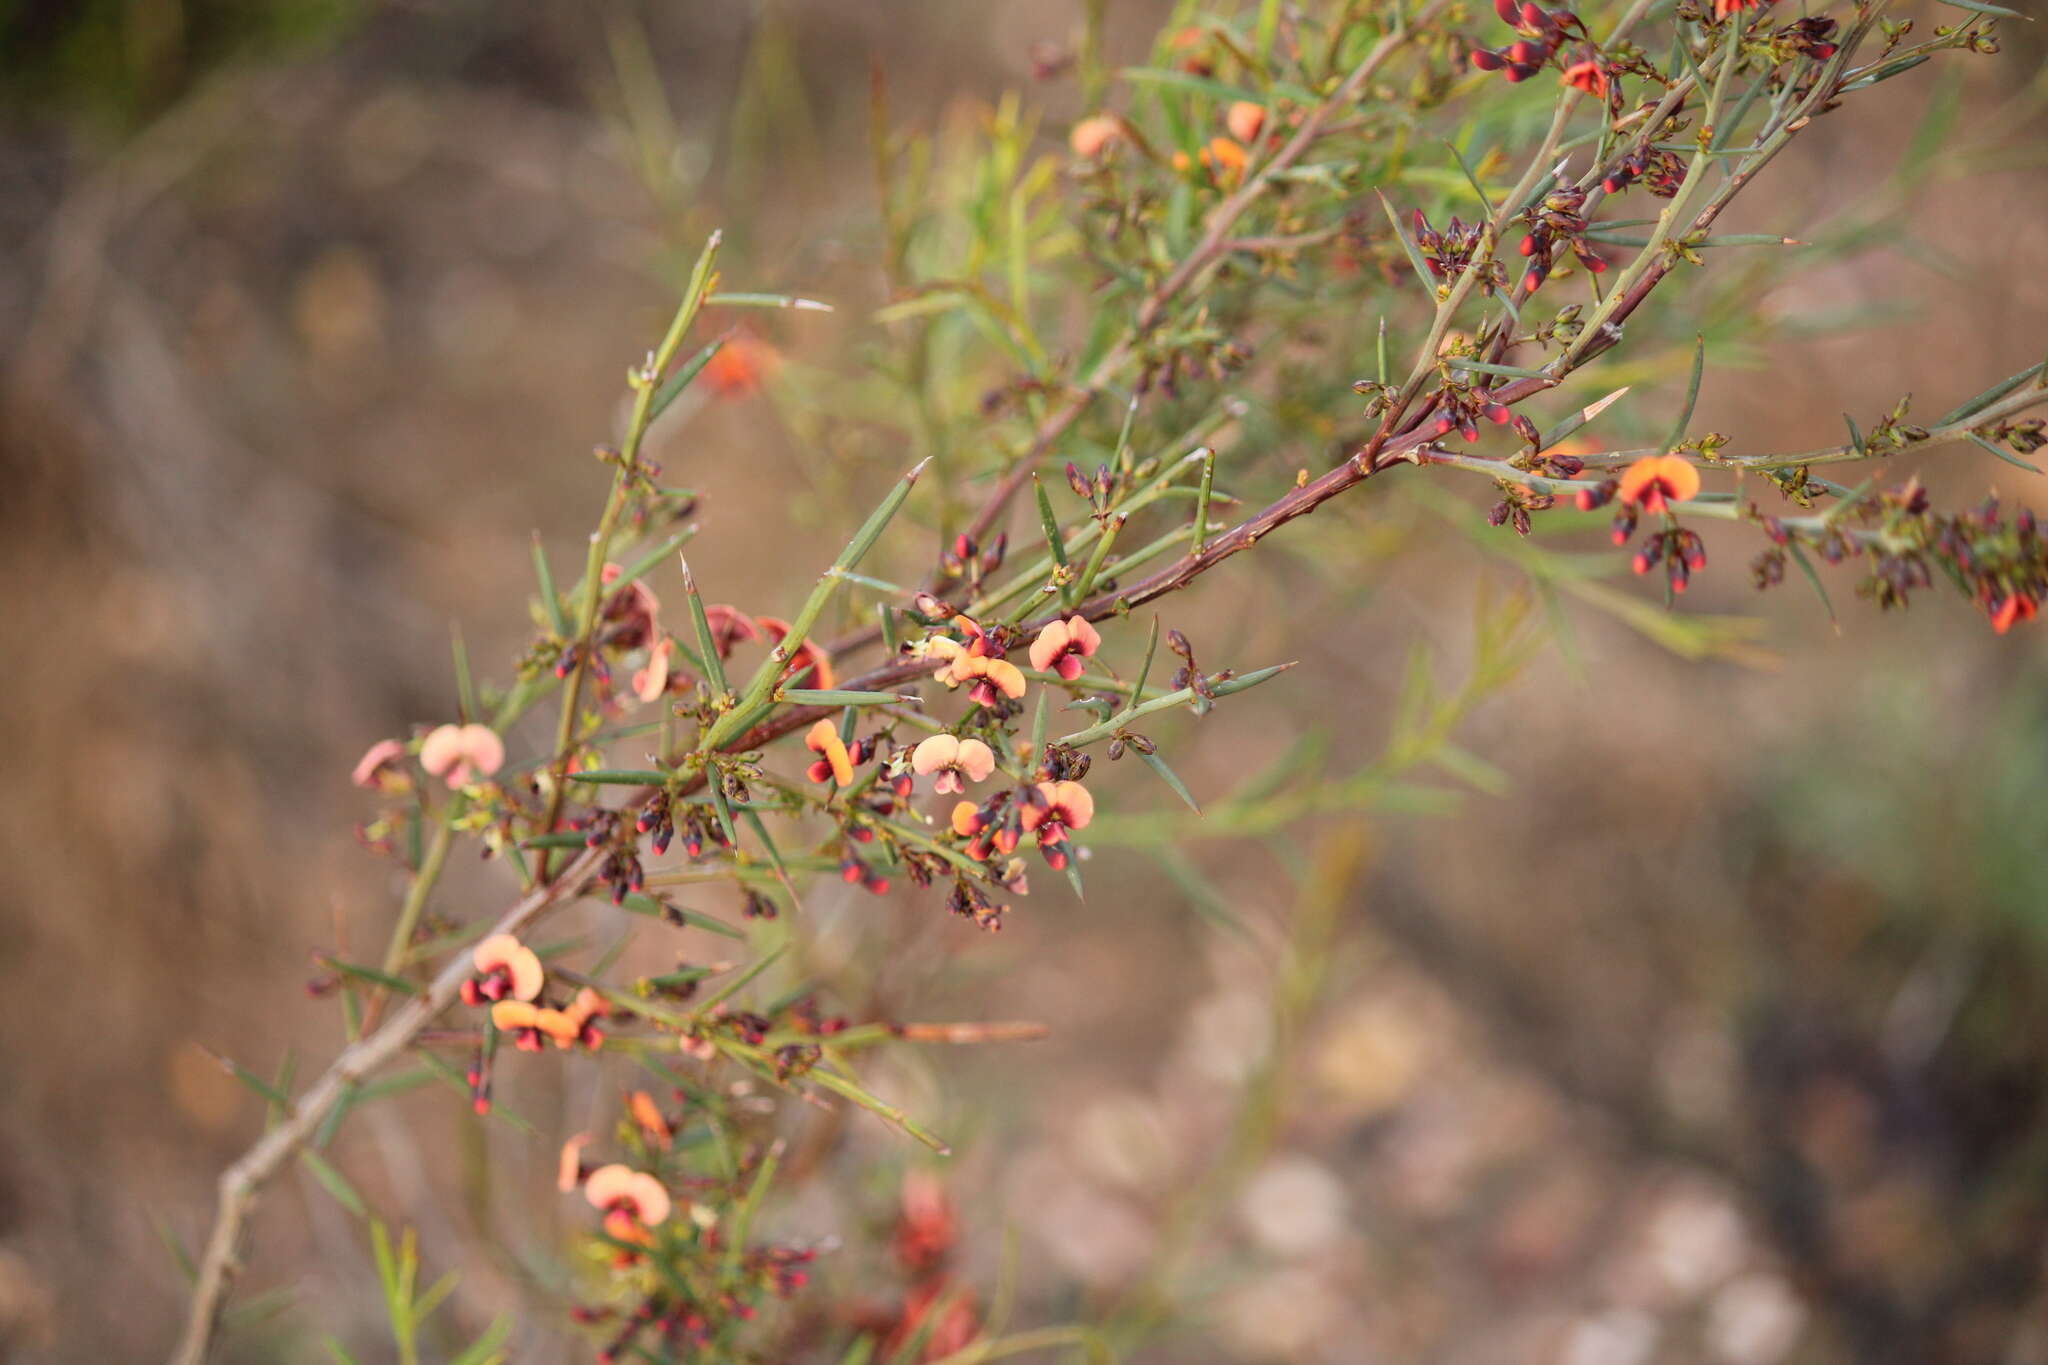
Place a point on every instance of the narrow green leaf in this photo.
(334, 1182)
(376, 978)
(1820, 589)
(641, 903)
(1170, 778)
(274, 1095)
(743, 1216)
(1055, 539)
(1692, 393)
(1202, 500)
(1415, 260)
(816, 696)
(1183, 697)
(2003, 454)
(1980, 7)
(488, 1349)
(682, 379)
(465, 690)
(707, 643)
(1470, 178)
(801, 305)
(550, 600)
(622, 777)
(738, 983)
(1889, 69)
(1992, 395)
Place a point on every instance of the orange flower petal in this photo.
(1007, 677)
(1074, 802)
(1050, 644)
(963, 818)
(569, 1167)
(823, 738)
(651, 681)
(975, 759)
(1681, 480)
(1227, 154)
(648, 1115)
(934, 753)
(1244, 120)
(608, 1185)
(508, 1015)
(518, 960)
(1091, 136)
(369, 767)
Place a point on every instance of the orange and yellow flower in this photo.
(836, 765)
(975, 663)
(1657, 480)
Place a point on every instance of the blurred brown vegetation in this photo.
(1716, 1036)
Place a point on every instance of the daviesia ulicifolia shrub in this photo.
(1122, 353)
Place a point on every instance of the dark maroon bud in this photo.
(1520, 517)
(1469, 429)
(1497, 514)
(1508, 11)
(1444, 425)
(1077, 481)
(1498, 413)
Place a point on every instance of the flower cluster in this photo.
(1542, 33)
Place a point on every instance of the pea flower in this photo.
(741, 365)
(382, 768)
(458, 753)
(1054, 809)
(974, 662)
(810, 655)
(506, 969)
(651, 680)
(1093, 136)
(633, 607)
(837, 764)
(2014, 608)
(1244, 120)
(569, 1171)
(1657, 480)
(532, 1025)
(631, 1201)
(1062, 645)
(956, 761)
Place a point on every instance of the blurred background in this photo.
(1694, 1017)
